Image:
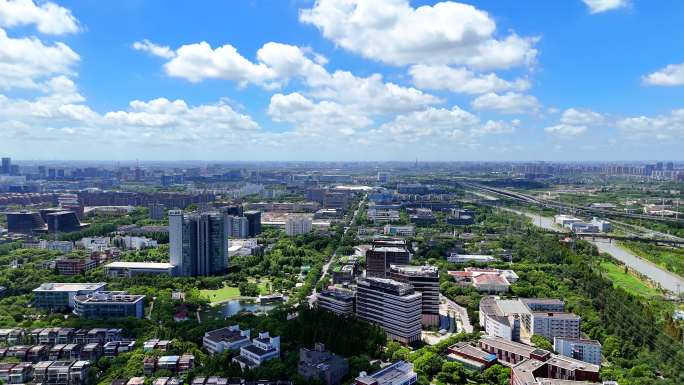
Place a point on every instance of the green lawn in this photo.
(223, 294)
(627, 281)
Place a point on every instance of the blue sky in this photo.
(342, 79)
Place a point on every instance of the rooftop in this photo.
(398, 372)
(140, 265)
(557, 315)
(69, 287)
(110, 297)
(572, 364)
(510, 346)
(226, 334)
(580, 340)
(472, 351)
(422, 271)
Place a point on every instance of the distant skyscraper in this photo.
(6, 165)
(254, 221)
(238, 227)
(156, 211)
(198, 243)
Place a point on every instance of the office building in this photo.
(227, 338)
(254, 222)
(198, 243)
(425, 280)
(579, 349)
(156, 211)
(61, 246)
(340, 302)
(395, 306)
(63, 222)
(297, 225)
(381, 215)
(262, 349)
(130, 269)
(471, 357)
(602, 225)
(25, 222)
(557, 370)
(401, 231)
(513, 319)
(74, 266)
(469, 258)
(398, 373)
(322, 365)
(512, 352)
(109, 304)
(383, 253)
(238, 227)
(383, 177)
(61, 296)
(552, 325)
(6, 166)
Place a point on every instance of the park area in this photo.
(627, 281)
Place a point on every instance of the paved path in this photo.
(326, 267)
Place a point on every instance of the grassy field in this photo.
(223, 294)
(627, 281)
(263, 284)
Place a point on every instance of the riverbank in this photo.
(659, 276)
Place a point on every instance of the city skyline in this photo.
(391, 80)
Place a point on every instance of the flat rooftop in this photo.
(110, 297)
(419, 271)
(140, 265)
(464, 348)
(556, 315)
(572, 364)
(580, 340)
(510, 346)
(396, 373)
(69, 287)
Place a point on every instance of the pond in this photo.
(235, 306)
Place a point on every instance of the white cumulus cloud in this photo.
(392, 31)
(318, 118)
(462, 80)
(580, 117)
(153, 49)
(508, 103)
(598, 6)
(671, 75)
(48, 17)
(25, 62)
(199, 61)
(661, 127)
(566, 130)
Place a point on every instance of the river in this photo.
(655, 273)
